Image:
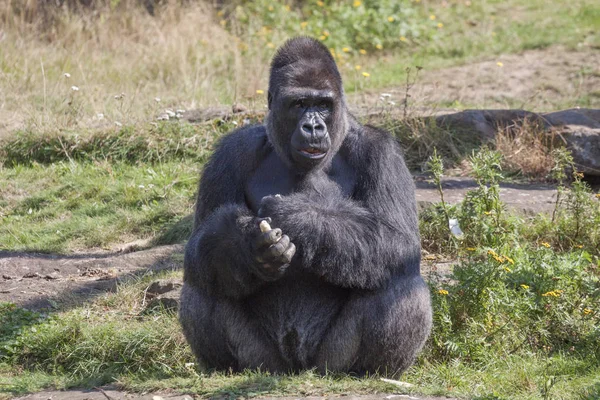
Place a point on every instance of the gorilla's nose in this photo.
(313, 128)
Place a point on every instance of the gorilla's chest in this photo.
(273, 177)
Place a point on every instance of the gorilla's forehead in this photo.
(313, 74)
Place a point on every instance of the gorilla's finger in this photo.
(278, 248)
(268, 220)
(287, 255)
(268, 238)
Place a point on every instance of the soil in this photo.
(539, 80)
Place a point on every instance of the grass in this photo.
(186, 59)
(84, 167)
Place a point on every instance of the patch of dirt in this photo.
(543, 79)
(37, 281)
(522, 198)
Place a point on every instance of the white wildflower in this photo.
(67, 75)
(75, 88)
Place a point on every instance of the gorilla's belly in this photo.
(295, 313)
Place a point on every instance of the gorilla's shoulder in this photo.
(371, 141)
(247, 140)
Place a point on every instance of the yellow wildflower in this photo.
(587, 311)
(553, 293)
(223, 22)
(403, 39)
(270, 45)
(346, 49)
(545, 244)
(598, 195)
(322, 37)
(320, 3)
(378, 46)
(440, 25)
(220, 13)
(578, 174)
(492, 253)
(270, 8)
(470, 249)
(332, 51)
(366, 74)
(259, 91)
(287, 8)
(510, 260)
(443, 292)
(487, 212)
(357, 3)
(303, 24)
(578, 246)
(507, 269)
(524, 286)
(390, 19)
(326, 33)
(430, 257)
(500, 64)
(362, 51)
(499, 259)
(432, 17)
(357, 67)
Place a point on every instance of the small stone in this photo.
(162, 286)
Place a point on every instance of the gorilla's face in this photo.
(307, 116)
(309, 112)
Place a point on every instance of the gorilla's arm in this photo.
(219, 253)
(359, 242)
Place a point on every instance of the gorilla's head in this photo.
(307, 108)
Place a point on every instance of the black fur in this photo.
(351, 298)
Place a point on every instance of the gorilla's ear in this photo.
(269, 99)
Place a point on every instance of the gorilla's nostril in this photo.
(308, 128)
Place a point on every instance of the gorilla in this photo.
(335, 283)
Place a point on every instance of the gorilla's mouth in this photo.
(312, 152)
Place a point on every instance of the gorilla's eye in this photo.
(300, 103)
(326, 105)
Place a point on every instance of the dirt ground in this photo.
(535, 80)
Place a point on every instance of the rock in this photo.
(584, 144)
(168, 301)
(238, 108)
(164, 294)
(579, 127)
(575, 116)
(162, 286)
(486, 122)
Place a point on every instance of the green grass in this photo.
(113, 340)
(77, 206)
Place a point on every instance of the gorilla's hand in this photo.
(273, 207)
(273, 253)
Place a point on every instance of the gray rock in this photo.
(164, 294)
(579, 127)
(162, 286)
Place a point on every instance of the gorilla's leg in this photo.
(223, 336)
(380, 331)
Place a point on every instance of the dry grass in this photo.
(526, 147)
(181, 56)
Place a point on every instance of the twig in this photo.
(104, 393)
